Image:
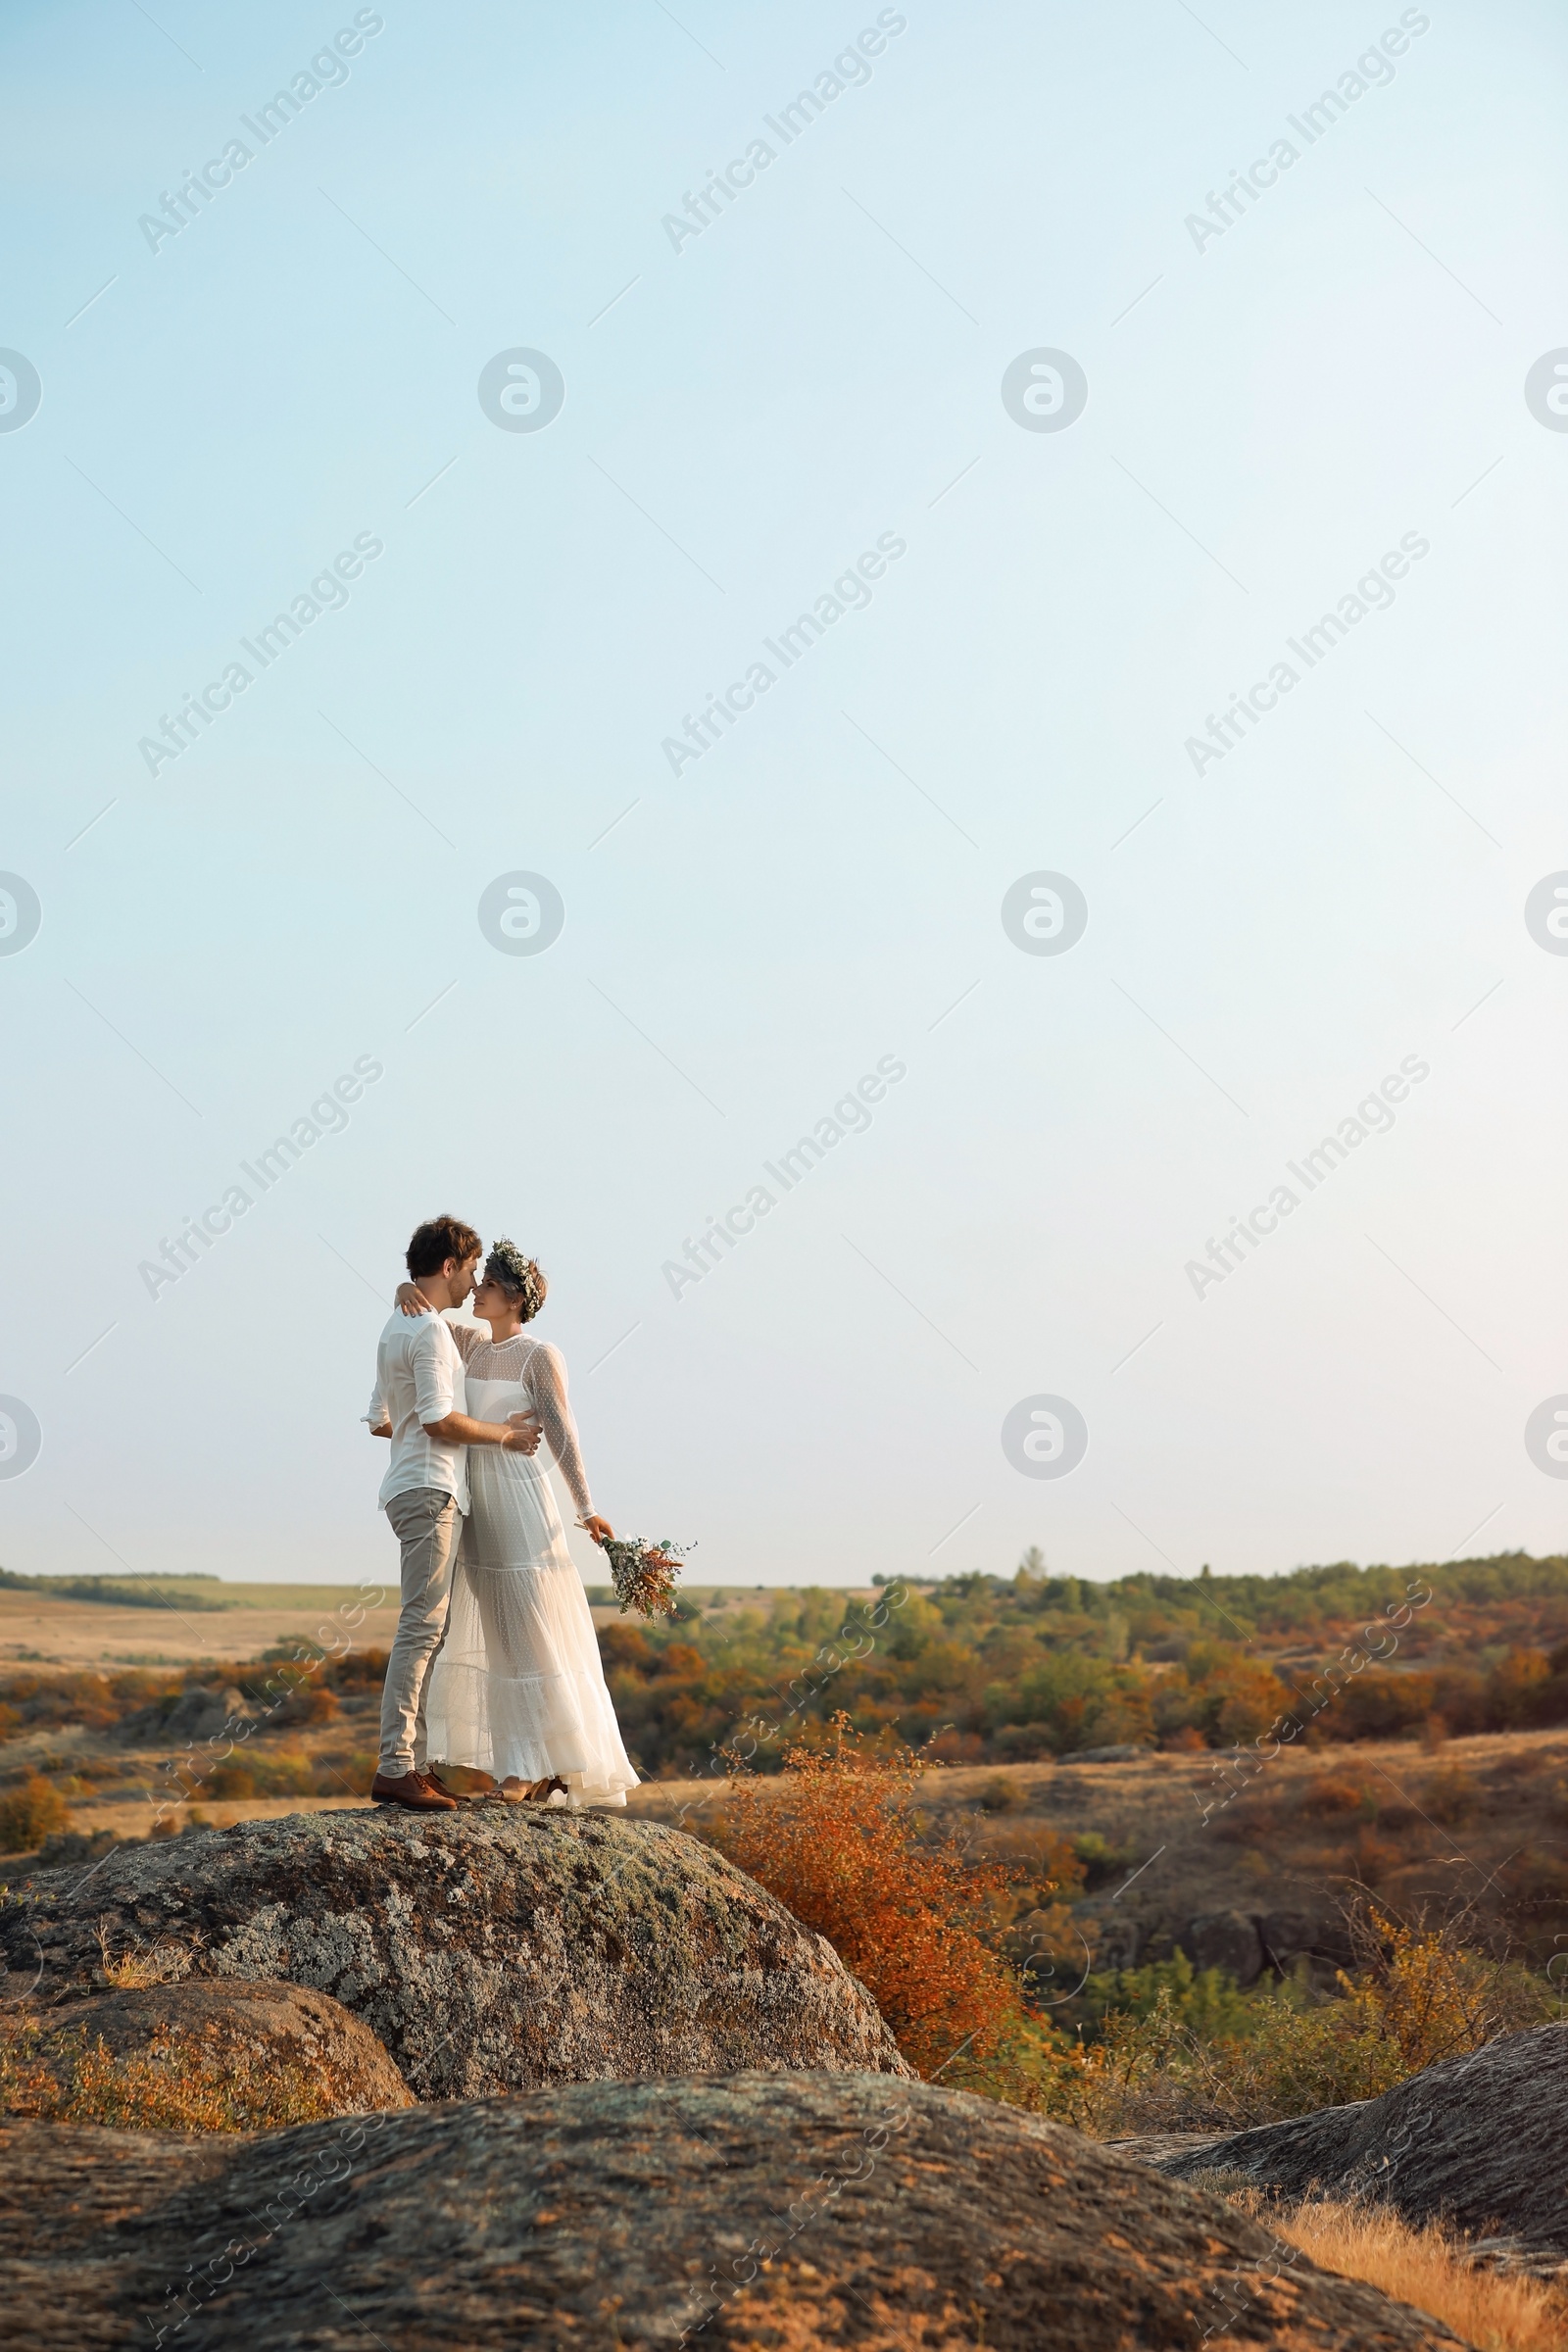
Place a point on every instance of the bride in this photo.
(517, 1690)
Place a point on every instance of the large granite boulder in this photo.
(1477, 2141)
(288, 2039)
(792, 2211)
(491, 1949)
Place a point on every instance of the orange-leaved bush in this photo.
(29, 1814)
(836, 1837)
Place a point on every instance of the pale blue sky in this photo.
(1270, 412)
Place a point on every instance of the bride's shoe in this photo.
(532, 1793)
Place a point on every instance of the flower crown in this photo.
(519, 1274)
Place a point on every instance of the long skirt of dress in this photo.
(517, 1687)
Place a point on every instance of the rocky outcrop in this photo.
(200, 1713)
(495, 1948)
(257, 2028)
(794, 2211)
(1289, 1935)
(1245, 1942)
(1477, 2141)
(1225, 1940)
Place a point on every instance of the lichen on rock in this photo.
(490, 1950)
(803, 2211)
(203, 2053)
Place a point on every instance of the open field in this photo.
(37, 1629)
(114, 1774)
(182, 1621)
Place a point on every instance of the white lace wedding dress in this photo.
(517, 1687)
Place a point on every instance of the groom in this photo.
(419, 1401)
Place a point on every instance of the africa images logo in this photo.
(1546, 390)
(20, 391)
(20, 914)
(522, 914)
(20, 1436)
(1045, 1436)
(1045, 913)
(1547, 1437)
(522, 390)
(1045, 390)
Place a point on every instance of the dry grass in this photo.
(144, 1964)
(1424, 2267)
(175, 2086)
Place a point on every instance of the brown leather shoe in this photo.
(418, 1795)
(437, 1785)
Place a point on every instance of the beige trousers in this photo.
(427, 1524)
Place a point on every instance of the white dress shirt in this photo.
(418, 1378)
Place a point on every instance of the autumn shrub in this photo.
(838, 1840)
(1532, 1883)
(1099, 1860)
(1154, 2061)
(1382, 1706)
(952, 1747)
(1373, 1859)
(1450, 1797)
(282, 1774)
(1205, 2002)
(360, 1670)
(1031, 1924)
(81, 1697)
(309, 1702)
(29, 1814)
(1328, 1797)
(1248, 1819)
(252, 1773)
(1040, 1860)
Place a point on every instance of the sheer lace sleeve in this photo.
(546, 1379)
(467, 1337)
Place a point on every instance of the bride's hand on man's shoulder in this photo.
(409, 1300)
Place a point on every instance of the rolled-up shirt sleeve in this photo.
(376, 1413)
(435, 1392)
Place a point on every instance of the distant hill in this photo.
(193, 1593)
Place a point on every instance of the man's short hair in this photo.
(439, 1239)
